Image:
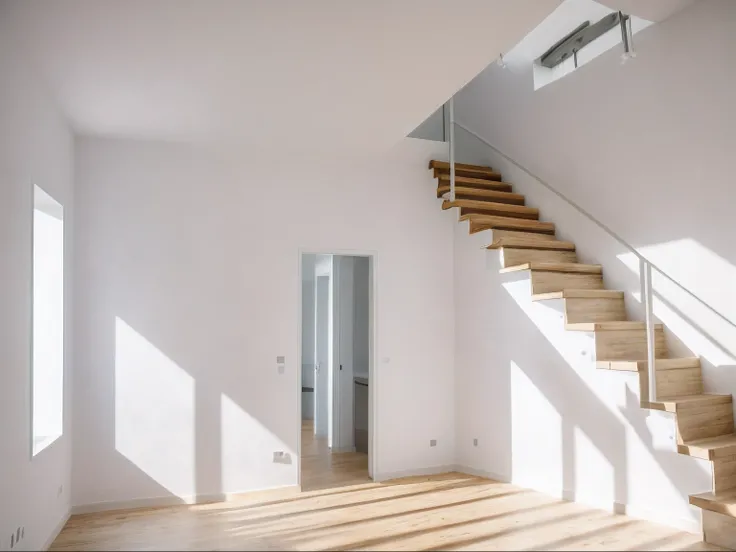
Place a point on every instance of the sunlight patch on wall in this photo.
(575, 347)
(154, 411)
(707, 275)
(536, 426)
(245, 442)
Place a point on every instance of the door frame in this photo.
(373, 375)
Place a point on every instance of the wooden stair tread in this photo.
(642, 365)
(575, 268)
(479, 169)
(610, 326)
(507, 223)
(470, 182)
(580, 294)
(505, 209)
(482, 194)
(723, 502)
(710, 448)
(674, 403)
(525, 243)
(435, 164)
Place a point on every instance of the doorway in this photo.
(336, 395)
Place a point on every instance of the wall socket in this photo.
(475, 442)
(433, 443)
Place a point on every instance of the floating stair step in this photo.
(628, 344)
(514, 256)
(469, 182)
(463, 169)
(722, 503)
(710, 448)
(461, 192)
(573, 268)
(535, 237)
(580, 294)
(479, 223)
(677, 379)
(531, 243)
(724, 474)
(546, 282)
(678, 404)
(641, 365)
(468, 206)
(698, 416)
(623, 325)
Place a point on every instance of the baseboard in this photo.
(652, 514)
(159, 501)
(55, 533)
(481, 473)
(649, 514)
(413, 473)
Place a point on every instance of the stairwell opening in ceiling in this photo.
(568, 16)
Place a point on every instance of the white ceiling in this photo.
(333, 75)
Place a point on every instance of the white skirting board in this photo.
(55, 533)
(158, 501)
(682, 524)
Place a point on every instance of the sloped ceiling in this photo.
(335, 75)
(651, 10)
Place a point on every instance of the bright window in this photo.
(48, 320)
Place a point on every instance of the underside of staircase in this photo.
(704, 421)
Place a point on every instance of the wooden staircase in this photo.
(704, 421)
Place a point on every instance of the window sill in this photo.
(42, 442)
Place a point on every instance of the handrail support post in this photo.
(646, 271)
(452, 149)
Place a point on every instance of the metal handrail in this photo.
(645, 264)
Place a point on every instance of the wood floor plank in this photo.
(447, 511)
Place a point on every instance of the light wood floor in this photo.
(345, 511)
(323, 470)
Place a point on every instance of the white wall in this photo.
(35, 148)
(646, 148)
(172, 243)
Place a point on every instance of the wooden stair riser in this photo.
(594, 310)
(546, 282)
(468, 173)
(671, 383)
(499, 234)
(719, 529)
(724, 474)
(469, 207)
(480, 223)
(679, 383)
(526, 243)
(479, 183)
(701, 421)
(612, 345)
(463, 169)
(476, 194)
(511, 256)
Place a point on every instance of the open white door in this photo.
(322, 347)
